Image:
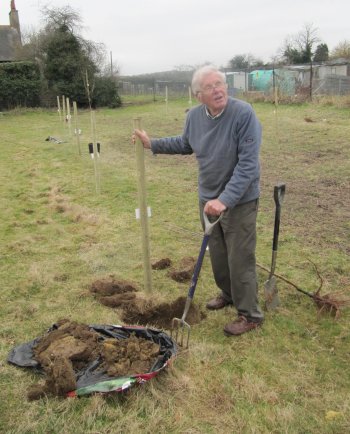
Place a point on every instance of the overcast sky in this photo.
(157, 35)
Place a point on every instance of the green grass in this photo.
(58, 235)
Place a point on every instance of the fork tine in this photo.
(178, 323)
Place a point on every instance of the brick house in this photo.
(10, 36)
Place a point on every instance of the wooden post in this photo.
(275, 97)
(94, 144)
(143, 209)
(189, 96)
(166, 99)
(311, 79)
(69, 117)
(64, 108)
(76, 126)
(59, 108)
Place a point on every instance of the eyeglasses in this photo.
(210, 87)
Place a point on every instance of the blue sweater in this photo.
(227, 151)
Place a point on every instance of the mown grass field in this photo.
(58, 235)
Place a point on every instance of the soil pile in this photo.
(112, 292)
(185, 271)
(128, 356)
(161, 315)
(137, 311)
(65, 351)
(161, 264)
(110, 286)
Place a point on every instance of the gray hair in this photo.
(200, 73)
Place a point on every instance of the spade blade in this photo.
(271, 294)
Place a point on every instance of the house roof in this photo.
(9, 41)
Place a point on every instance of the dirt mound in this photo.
(161, 315)
(110, 286)
(70, 340)
(161, 264)
(112, 292)
(185, 271)
(128, 356)
(136, 310)
(65, 351)
(117, 300)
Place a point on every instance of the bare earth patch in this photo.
(161, 264)
(161, 315)
(138, 311)
(185, 271)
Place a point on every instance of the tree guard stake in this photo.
(166, 99)
(69, 117)
(64, 108)
(143, 208)
(76, 126)
(59, 108)
(94, 152)
(189, 96)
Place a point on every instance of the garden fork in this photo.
(179, 325)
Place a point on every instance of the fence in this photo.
(157, 89)
(295, 83)
(332, 85)
(292, 83)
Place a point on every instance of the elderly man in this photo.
(225, 136)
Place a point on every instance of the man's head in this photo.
(209, 87)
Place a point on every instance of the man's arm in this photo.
(143, 136)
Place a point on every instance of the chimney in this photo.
(14, 19)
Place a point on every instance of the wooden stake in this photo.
(69, 117)
(59, 108)
(143, 209)
(189, 96)
(275, 97)
(76, 125)
(94, 144)
(166, 99)
(64, 108)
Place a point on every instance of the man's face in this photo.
(213, 93)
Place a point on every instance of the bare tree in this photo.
(299, 48)
(54, 18)
(342, 50)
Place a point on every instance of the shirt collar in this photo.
(211, 116)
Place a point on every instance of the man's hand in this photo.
(214, 207)
(142, 135)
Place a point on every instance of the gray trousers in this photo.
(232, 253)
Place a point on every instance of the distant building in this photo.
(10, 36)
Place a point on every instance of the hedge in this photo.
(20, 85)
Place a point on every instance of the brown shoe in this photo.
(218, 302)
(240, 325)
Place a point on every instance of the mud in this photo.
(71, 347)
(160, 315)
(185, 271)
(128, 356)
(138, 311)
(162, 264)
(117, 300)
(110, 286)
(70, 340)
